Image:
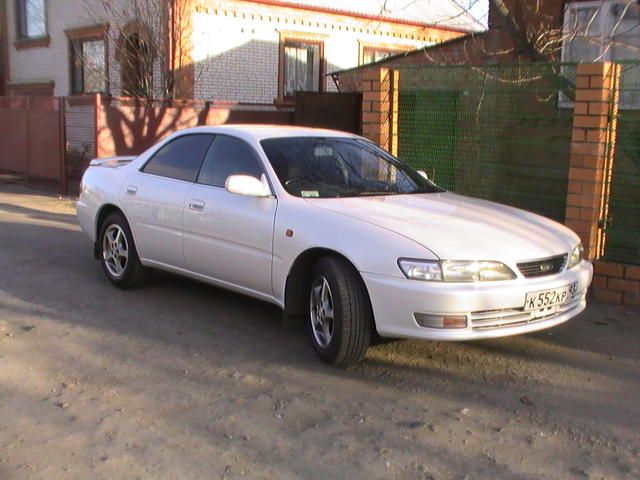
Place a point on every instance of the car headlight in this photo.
(455, 270)
(576, 256)
(428, 270)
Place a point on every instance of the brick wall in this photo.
(380, 108)
(591, 153)
(617, 283)
(593, 144)
(492, 47)
(243, 67)
(235, 45)
(50, 63)
(496, 46)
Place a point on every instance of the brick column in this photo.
(591, 153)
(380, 107)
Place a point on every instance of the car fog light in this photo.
(440, 321)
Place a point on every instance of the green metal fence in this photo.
(623, 219)
(496, 132)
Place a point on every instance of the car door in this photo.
(229, 237)
(153, 198)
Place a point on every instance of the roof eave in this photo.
(364, 16)
(410, 52)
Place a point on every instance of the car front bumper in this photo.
(492, 309)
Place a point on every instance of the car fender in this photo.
(300, 227)
(99, 187)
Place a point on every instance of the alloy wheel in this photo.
(321, 311)
(115, 250)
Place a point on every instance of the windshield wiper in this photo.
(424, 190)
(358, 193)
(361, 193)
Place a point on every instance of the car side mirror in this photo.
(247, 185)
(424, 174)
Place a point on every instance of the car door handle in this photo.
(197, 205)
(131, 189)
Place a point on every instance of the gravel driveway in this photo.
(178, 380)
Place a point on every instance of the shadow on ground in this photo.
(203, 364)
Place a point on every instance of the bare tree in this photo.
(151, 42)
(540, 33)
(539, 30)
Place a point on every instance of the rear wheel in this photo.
(339, 316)
(119, 257)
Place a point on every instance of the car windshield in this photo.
(329, 167)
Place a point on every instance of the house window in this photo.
(605, 31)
(375, 54)
(601, 31)
(301, 66)
(136, 66)
(32, 19)
(583, 34)
(89, 66)
(625, 44)
(88, 59)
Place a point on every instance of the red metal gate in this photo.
(335, 110)
(32, 138)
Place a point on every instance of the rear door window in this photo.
(181, 158)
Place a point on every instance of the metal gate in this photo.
(501, 133)
(32, 140)
(432, 147)
(337, 111)
(622, 225)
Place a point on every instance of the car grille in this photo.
(545, 266)
(513, 317)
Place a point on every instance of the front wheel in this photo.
(339, 317)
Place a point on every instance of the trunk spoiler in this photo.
(111, 162)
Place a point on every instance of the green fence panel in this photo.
(500, 133)
(623, 220)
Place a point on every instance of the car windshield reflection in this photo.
(330, 167)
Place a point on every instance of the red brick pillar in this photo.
(380, 107)
(592, 149)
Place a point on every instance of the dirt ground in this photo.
(179, 380)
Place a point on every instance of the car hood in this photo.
(459, 228)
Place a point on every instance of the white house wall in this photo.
(236, 59)
(51, 63)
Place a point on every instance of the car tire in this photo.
(339, 315)
(118, 254)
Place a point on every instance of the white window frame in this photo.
(602, 25)
(602, 20)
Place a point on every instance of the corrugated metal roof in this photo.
(447, 13)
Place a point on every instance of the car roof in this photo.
(261, 132)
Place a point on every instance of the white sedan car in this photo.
(332, 228)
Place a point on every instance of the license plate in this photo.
(550, 298)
